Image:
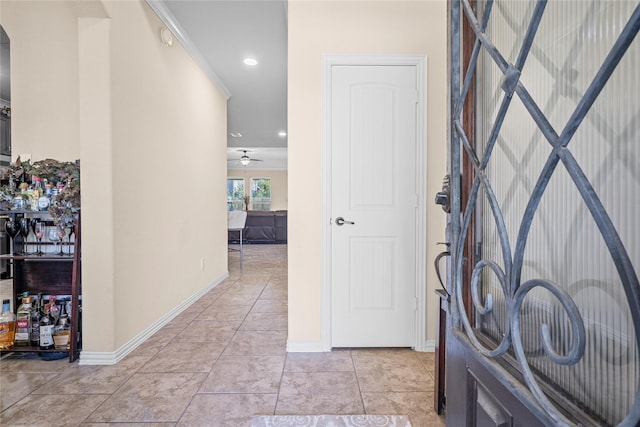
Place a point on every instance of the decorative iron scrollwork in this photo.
(509, 275)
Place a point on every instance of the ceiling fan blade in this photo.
(244, 160)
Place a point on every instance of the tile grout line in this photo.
(217, 359)
(355, 372)
(199, 391)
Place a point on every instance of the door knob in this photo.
(341, 221)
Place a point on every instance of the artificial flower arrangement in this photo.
(64, 205)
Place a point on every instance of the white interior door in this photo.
(373, 188)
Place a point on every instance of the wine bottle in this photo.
(36, 315)
(46, 330)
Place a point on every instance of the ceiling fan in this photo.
(244, 159)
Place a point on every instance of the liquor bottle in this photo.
(7, 326)
(46, 330)
(36, 315)
(23, 321)
(53, 308)
(67, 305)
(24, 189)
(45, 197)
(48, 191)
(36, 193)
(62, 331)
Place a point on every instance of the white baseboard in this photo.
(429, 346)
(113, 357)
(305, 347)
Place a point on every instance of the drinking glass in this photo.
(67, 235)
(12, 228)
(39, 230)
(55, 235)
(25, 225)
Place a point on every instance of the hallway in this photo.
(218, 363)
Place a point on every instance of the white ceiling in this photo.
(220, 34)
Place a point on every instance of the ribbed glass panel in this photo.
(565, 245)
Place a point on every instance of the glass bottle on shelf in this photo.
(7, 326)
(12, 183)
(54, 310)
(44, 200)
(37, 193)
(36, 315)
(18, 202)
(48, 192)
(23, 321)
(21, 199)
(67, 305)
(47, 325)
(62, 331)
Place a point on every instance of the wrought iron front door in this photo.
(545, 213)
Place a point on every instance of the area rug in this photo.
(330, 421)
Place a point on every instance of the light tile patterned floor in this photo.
(218, 364)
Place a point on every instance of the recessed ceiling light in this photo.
(250, 61)
(282, 133)
(236, 134)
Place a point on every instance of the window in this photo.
(261, 194)
(235, 194)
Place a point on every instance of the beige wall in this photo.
(278, 184)
(149, 128)
(353, 27)
(44, 75)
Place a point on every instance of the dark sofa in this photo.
(263, 227)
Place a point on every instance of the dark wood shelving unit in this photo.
(48, 274)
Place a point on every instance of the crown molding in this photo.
(168, 19)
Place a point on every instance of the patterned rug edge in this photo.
(330, 421)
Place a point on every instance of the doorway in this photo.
(374, 168)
